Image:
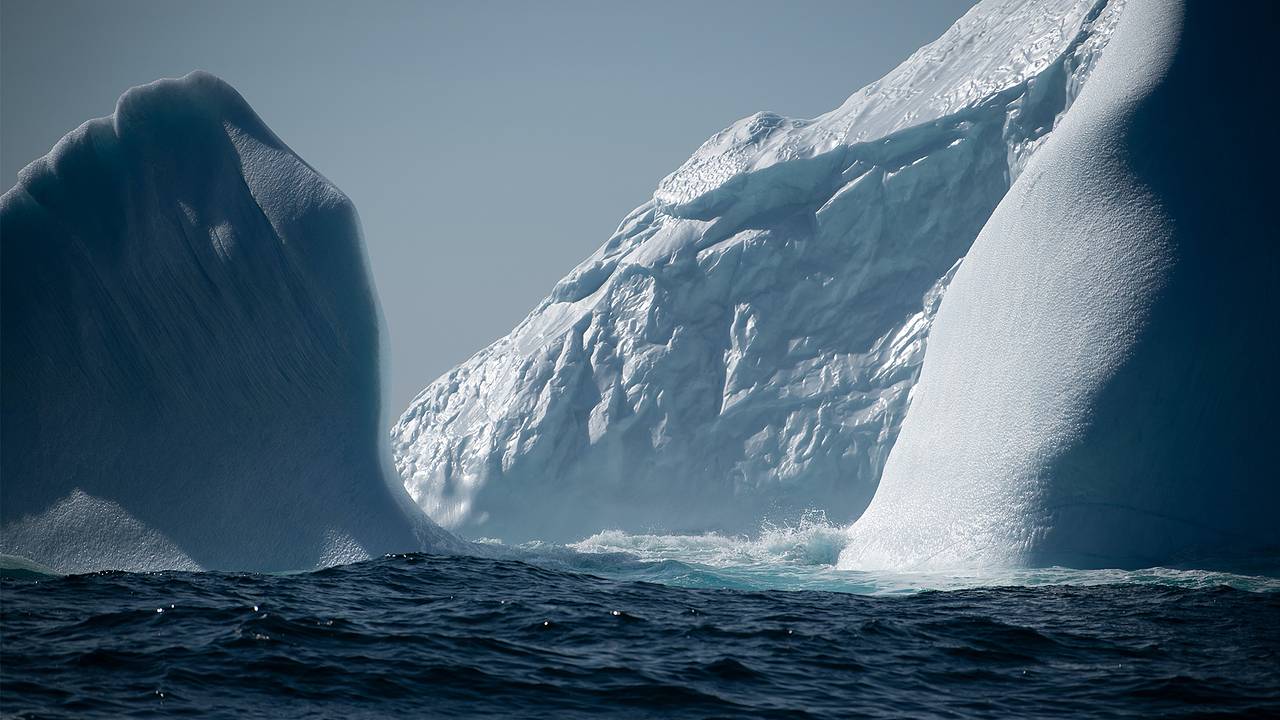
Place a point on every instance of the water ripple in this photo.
(473, 637)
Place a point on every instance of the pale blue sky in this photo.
(489, 146)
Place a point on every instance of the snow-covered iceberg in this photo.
(743, 347)
(190, 351)
(1100, 387)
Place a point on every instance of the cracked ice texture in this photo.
(743, 347)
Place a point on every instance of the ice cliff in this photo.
(1100, 387)
(743, 347)
(190, 351)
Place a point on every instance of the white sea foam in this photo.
(804, 557)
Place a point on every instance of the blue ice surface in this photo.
(191, 351)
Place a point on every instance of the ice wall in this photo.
(1100, 385)
(190, 351)
(742, 347)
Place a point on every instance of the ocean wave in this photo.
(804, 556)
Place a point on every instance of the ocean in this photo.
(640, 627)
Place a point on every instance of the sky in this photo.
(488, 146)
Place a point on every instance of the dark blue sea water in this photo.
(568, 635)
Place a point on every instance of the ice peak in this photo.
(993, 50)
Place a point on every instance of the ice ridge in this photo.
(743, 348)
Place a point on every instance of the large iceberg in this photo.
(742, 349)
(1100, 387)
(191, 349)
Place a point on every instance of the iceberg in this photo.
(743, 348)
(1100, 385)
(191, 350)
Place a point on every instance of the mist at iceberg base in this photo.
(803, 556)
(742, 349)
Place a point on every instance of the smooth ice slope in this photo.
(1100, 387)
(190, 353)
(743, 346)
